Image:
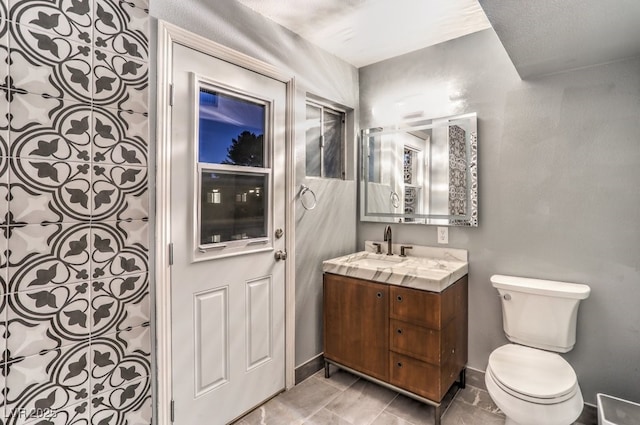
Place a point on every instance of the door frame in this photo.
(168, 35)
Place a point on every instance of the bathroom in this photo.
(558, 172)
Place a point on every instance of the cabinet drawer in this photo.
(428, 345)
(415, 306)
(413, 375)
(415, 341)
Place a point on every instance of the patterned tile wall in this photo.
(74, 243)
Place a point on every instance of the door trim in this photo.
(168, 35)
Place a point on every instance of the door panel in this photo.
(227, 292)
(212, 335)
(260, 318)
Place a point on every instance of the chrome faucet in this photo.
(387, 239)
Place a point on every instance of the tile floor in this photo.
(345, 399)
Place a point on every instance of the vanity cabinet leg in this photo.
(462, 383)
(437, 412)
(327, 374)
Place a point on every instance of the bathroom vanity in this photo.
(399, 321)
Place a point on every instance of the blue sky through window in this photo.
(221, 119)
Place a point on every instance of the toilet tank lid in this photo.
(554, 288)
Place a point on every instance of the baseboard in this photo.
(309, 368)
(589, 415)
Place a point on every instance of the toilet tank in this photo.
(540, 313)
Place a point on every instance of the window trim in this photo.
(245, 246)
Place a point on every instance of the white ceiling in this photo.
(548, 36)
(541, 36)
(363, 32)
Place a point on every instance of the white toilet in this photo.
(527, 380)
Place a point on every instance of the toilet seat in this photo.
(532, 375)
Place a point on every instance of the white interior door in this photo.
(227, 224)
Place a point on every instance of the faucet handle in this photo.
(378, 247)
(403, 249)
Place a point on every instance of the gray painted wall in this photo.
(559, 163)
(326, 231)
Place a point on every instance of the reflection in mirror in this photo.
(424, 171)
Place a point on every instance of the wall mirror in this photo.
(424, 171)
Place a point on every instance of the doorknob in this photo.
(280, 255)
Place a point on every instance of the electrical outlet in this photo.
(443, 235)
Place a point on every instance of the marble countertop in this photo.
(426, 268)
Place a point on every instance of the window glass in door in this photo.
(233, 169)
(231, 130)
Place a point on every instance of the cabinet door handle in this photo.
(399, 331)
(379, 295)
(399, 298)
(399, 364)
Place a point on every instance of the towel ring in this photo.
(395, 199)
(304, 189)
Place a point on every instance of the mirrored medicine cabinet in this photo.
(424, 171)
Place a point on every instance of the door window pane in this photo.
(233, 206)
(231, 130)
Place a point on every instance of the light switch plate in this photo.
(443, 235)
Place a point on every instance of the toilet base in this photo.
(563, 413)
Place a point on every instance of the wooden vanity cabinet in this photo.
(356, 324)
(421, 335)
(428, 338)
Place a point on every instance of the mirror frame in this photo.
(468, 220)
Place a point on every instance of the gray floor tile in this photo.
(475, 378)
(306, 398)
(362, 402)
(326, 417)
(272, 413)
(339, 378)
(345, 399)
(412, 411)
(389, 419)
(478, 398)
(466, 414)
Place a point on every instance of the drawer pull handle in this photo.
(399, 364)
(399, 298)
(379, 294)
(399, 331)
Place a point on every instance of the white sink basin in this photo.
(368, 260)
(439, 268)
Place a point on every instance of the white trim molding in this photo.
(168, 35)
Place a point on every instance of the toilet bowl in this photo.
(526, 379)
(532, 386)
